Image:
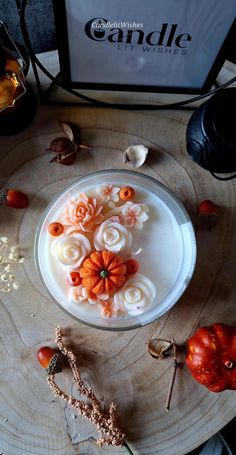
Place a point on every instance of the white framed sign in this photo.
(159, 45)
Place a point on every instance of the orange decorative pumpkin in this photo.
(103, 272)
(211, 357)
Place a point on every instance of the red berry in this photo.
(45, 355)
(74, 279)
(132, 266)
(207, 207)
(55, 229)
(16, 199)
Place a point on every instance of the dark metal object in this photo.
(211, 133)
(17, 117)
(2, 61)
(21, 117)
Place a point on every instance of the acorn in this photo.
(50, 359)
(13, 198)
(207, 214)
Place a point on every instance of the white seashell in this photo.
(135, 156)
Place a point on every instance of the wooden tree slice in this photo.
(117, 365)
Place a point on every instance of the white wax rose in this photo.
(112, 236)
(136, 295)
(70, 250)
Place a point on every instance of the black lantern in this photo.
(211, 134)
(17, 101)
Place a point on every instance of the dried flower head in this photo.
(8, 258)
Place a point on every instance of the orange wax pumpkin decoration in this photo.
(103, 272)
(211, 357)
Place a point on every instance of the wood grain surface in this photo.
(117, 365)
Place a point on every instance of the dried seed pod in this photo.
(65, 150)
(66, 147)
(159, 348)
(135, 156)
(72, 131)
(61, 146)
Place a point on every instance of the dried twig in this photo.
(160, 349)
(175, 364)
(106, 421)
(127, 447)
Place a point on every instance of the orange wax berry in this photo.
(16, 199)
(132, 266)
(74, 279)
(127, 193)
(55, 229)
(45, 355)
